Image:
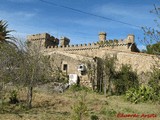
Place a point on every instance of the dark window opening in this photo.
(81, 67)
(65, 67)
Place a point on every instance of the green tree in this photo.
(5, 35)
(153, 49)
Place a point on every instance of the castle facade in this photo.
(69, 58)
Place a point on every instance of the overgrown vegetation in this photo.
(27, 68)
(80, 109)
(20, 65)
(110, 81)
(149, 92)
(13, 97)
(141, 94)
(77, 87)
(126, 78)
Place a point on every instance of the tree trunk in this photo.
(105, 87)
(109, 86)
(30, 92)
(105, 84)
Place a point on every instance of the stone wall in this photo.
(139, 61)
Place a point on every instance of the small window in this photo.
(65, 66)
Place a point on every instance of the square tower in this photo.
(102, 36)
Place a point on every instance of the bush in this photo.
(13, 97)
(94, 117)
(78, 87)
(125, 79)
(142, 94)
(155, 80)
(80, 109)
(108, 112)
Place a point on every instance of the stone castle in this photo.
(50, 42)
(70, 58)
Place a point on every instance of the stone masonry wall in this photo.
(139, 61)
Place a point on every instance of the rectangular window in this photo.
(65, 67)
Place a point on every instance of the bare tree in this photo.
(34, 69)
(152, 34)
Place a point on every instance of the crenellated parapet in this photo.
(43, 40)
(90, 46)
(53, 43)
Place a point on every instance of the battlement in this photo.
(43, 40)
(34, 37)
(52, 43)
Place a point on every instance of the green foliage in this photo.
(125, 79)
(154, 48)
(105, 73)
(77, 87)
(155, 80)
(4, 33)
(148, 92)
(80, 109)
(108, 112)
(152, 34)
(109, 72)
(13, 97)
(142, 94)
(94, 117)
(63, 77)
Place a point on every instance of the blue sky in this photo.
(33, 16)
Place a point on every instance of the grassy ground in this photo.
(55, 106)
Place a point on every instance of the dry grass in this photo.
(59, 107)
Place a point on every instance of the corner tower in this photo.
(130, 39)
(64, 41)
(102, 36)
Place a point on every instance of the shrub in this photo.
(155, 80)
(125, 79)
(77, 87)
(108, 112)
(142, 94)
(94, 117)
(13, 97)
(80, 109)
